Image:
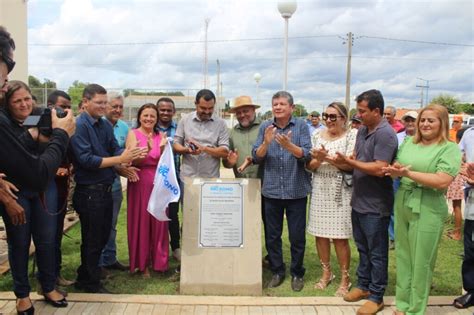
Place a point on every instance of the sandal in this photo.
(344, 288)
(323, 283)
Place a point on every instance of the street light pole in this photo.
(257, 77)
(286, 8)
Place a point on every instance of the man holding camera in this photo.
(202, 139)
(96, 153)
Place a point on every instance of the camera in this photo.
(41, 119)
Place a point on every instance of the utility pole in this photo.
(427, 86)
(421, 97)
(205, 78)
(350, 41)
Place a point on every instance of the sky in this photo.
(159, 45)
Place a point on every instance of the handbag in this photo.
(347, 176)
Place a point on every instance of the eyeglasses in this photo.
(9, 62)
(332, 117)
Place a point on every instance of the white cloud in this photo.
(317, 65)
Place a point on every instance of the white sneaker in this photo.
(177, 254)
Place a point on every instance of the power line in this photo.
(416, 41)
(245, 40)
(178, 42)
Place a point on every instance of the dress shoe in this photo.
(28, 311)
(39, 290)
(370, 308)
(60, 280)
(297, 283)
(58, 303)
(464, 301)
(355, 295)
(117, 266)
(276, 280)
(104, 274)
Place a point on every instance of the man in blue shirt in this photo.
(372, 200)
(283, 144)
(96, 153)
(113, 113)
(166, 111)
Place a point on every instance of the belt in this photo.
(101, 187)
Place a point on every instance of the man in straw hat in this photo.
(242, 137)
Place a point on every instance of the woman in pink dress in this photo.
(147, 237)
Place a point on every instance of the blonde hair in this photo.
(443, 116)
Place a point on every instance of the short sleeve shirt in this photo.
(243, 139)
(372, 194)
(211, 133)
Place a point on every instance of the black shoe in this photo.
(464, 301)
(297, 283)
(59, 303)
(28, 311)
(276, 280)
(117, 266)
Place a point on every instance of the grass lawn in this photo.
(447, 275)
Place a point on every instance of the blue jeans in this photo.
(391, 226)
(41, 225)
(296, 217)
(109, 254)
(371, 239)
(94, 207)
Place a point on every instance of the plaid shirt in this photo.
(284, 176)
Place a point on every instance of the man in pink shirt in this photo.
(389, 114)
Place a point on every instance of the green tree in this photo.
(41, 90)
(75, 91)
(448, 101)
(300, 111)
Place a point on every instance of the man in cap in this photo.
(356, 122)
(315, 122)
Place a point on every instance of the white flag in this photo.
(165, 185)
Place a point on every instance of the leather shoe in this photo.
(59, 303)
(91, 289)
(276, 280)
(370, 308)
(464, 301)
(117, 266)
(297, 283)
(29, 311)
(355, 295)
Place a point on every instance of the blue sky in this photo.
(159, 45)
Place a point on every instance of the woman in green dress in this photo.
(427, 163)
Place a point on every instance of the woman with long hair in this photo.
(147, 237)
(427, 164)
(330, 210)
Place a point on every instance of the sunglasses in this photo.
(9, 62)
(332, 117)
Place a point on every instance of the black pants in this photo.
(468, 262)
(173, 225)
(94, 207)
(296, 216)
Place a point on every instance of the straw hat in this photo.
(242, 101)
